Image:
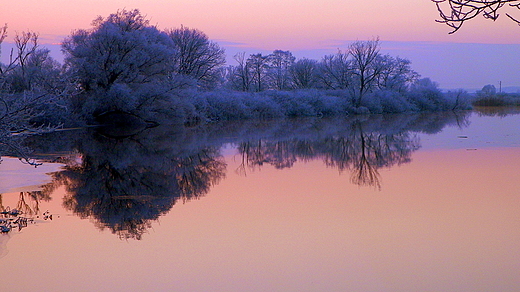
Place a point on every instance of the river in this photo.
(426, 202)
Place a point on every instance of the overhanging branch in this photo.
(455, 12)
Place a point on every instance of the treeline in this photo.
(124, 64)
(488, 96)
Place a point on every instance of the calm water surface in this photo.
(386, 203)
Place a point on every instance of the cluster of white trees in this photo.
(360, 70)
(123, 63)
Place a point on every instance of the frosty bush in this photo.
(393, 102)
(221, 105)
(426, 96)
(263, 108)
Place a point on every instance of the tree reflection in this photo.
(498, 111)
(360, 149)
(125, 184)
(26, 210)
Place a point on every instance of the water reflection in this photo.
(358, 151)
(26, 210)
(491, 111)
(124, 184)
(362, 148)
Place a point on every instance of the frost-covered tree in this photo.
(30, 86)
(239, 76)
(257, 64)
(122, 63)
(13, 74)
(44, 73)
(260, 72)
(426, 96)
(26, 44)
(303, 73)
(366, 67)
(196, 56)
(122, 48)
(396, 74)
(359, 70)
(3, 34)
(335, 71)
(455, 12)
(278, 64)
(31, 68)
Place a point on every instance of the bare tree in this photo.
(196, 56)
(455, 12)
(303, 73)
(11, 64)
(279, 63)
(26, 44)
(240, 75)
(3, 35)
(335, 71)
(16, 71)
(396, 75)
(366, 67)
(258, 65)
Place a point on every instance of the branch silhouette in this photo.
(455, 12)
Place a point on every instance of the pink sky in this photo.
(254, 25)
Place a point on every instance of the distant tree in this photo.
(40, 72)
(3, 68)
(44, 73)
(459, 100)
(487, 91)
(3, 33)
(32, 68)
(278, 64)
(488, 96)
(13, 74)
(303, 73)
(196, 56)
(455, 12)
(26, 44)
(30, 89)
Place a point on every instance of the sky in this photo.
(482, 52)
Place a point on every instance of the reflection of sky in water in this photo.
(448, 224)
(483, 132)
(17, 176)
